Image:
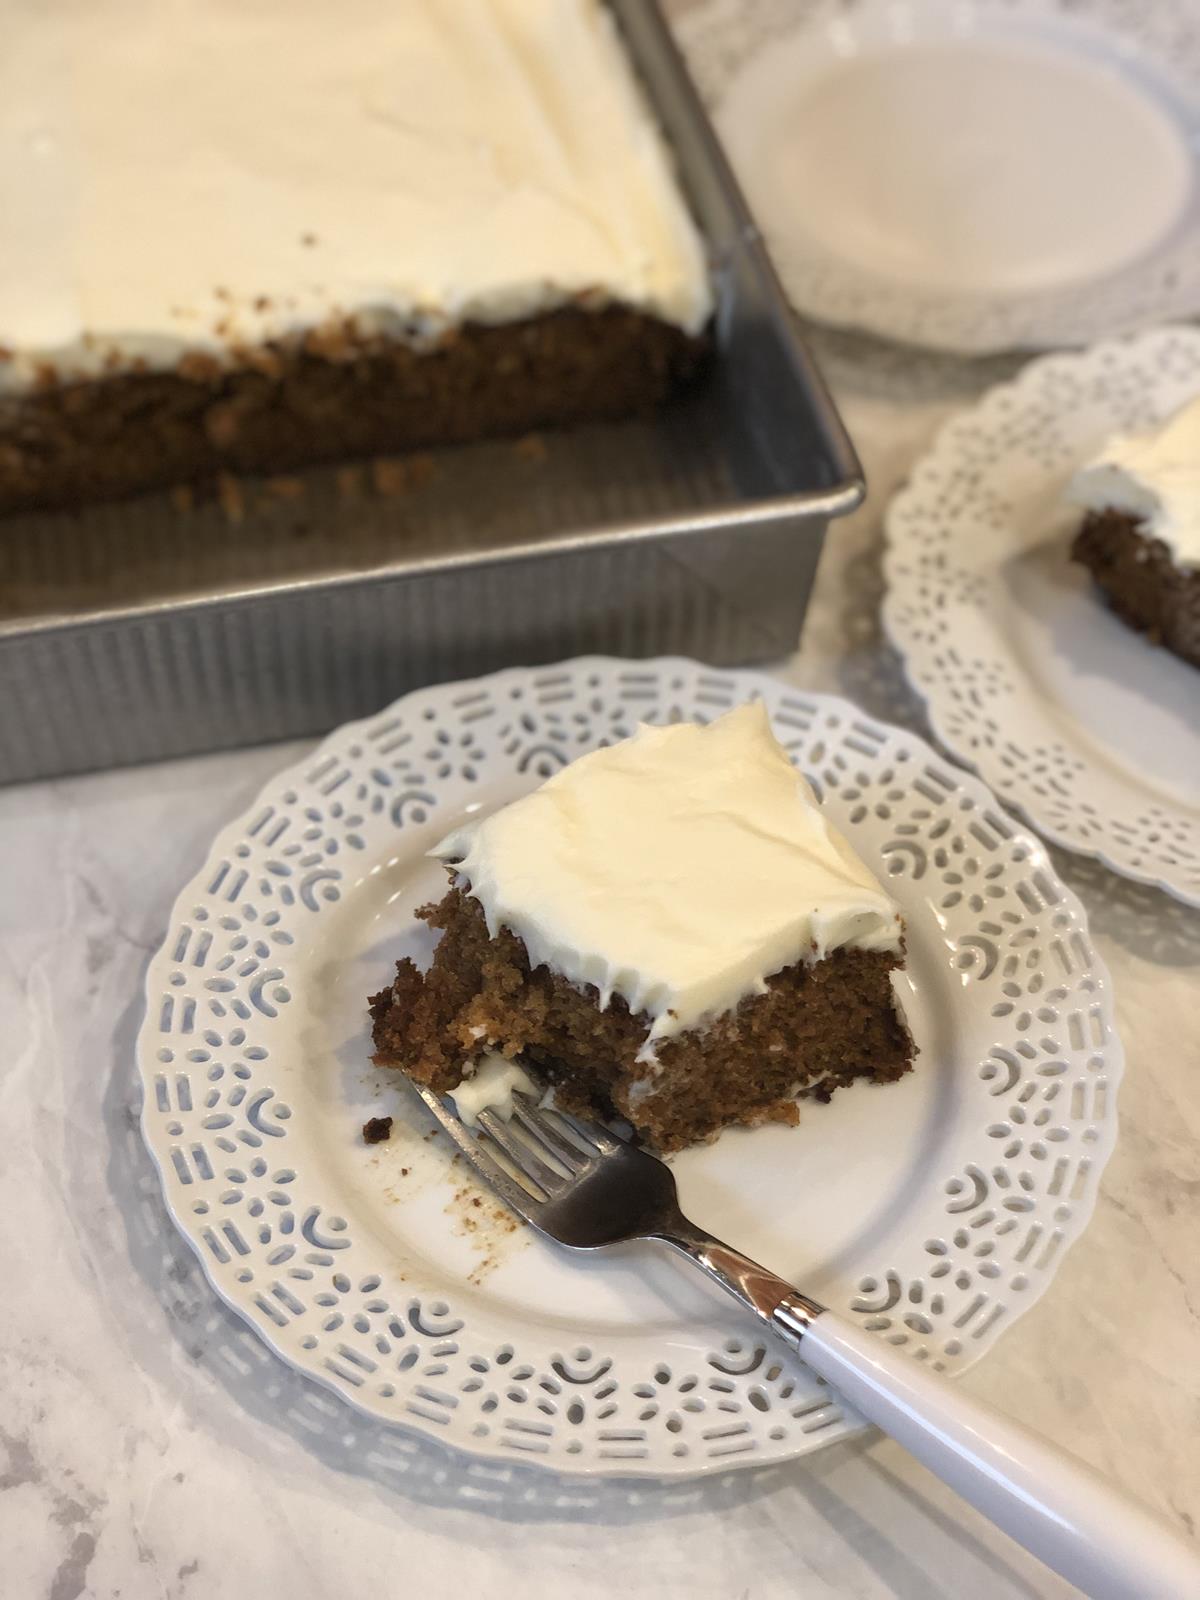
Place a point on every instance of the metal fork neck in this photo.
(765, 1293)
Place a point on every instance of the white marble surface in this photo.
(151, 1447)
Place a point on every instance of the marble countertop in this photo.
(150, 1446)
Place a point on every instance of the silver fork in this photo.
(583, 1187)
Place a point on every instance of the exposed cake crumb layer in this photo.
(1152, 478)
(1142, 582)
(318, 400)
(814, 1028)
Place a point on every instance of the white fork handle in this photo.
(1058, 1508)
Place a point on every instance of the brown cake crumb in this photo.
(388, 477)
(285, 488)
(350, 481)
(376, 1130)
(332, 395)
(1142, 582)
(421, 468)
(231, 497)
(392, 476)
(221, 424)
(818, 1026)
(332, 341)
(199, 367)
(531, 448)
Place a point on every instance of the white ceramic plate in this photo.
(1079, 722)
(935, 1209)
(972, 177)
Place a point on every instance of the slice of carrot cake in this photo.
(1140, 536)
(669, 929)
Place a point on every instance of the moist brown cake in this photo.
(818, 1026)
(1141, 581)
(244, 238)
(334, 395)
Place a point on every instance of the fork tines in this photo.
(529, 1157)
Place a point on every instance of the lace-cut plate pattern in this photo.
(961, 1229)
(1074, 719)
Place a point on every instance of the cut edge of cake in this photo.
(331, 396)
(811, 1024)
(1140, 534)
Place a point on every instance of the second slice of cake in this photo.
(668, 929)
(1140, 536)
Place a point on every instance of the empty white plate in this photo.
(971, 176)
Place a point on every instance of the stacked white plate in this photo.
(969, 177)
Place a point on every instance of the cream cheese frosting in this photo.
(181, 175)
(678, 869)
(1154, 477)
(491, 1085)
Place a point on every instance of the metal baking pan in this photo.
(140, 631)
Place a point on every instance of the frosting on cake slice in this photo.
(181, 176)
(1153, 477)
(678, 869)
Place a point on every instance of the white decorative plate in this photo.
(935, 1210)
(978, 176)
(1079, 722)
